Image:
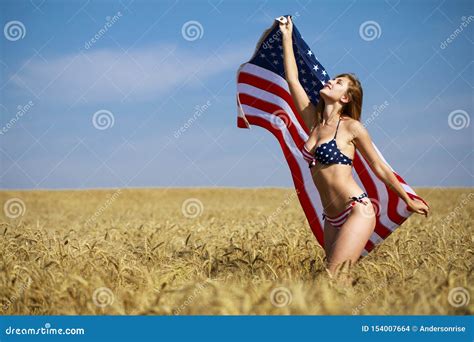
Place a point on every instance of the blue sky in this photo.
(150, 78)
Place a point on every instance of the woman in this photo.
(349, 217)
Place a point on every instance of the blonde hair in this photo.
(353, 108)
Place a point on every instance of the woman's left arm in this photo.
(363, 143)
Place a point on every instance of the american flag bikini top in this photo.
(326, 153)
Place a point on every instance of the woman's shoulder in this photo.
(347, 118)
(350, 121)
(354, 126)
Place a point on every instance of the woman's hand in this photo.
(287, 28)
(418, 207)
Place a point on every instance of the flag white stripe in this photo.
(251, 90)
(265, 74)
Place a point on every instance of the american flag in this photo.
(264, 99)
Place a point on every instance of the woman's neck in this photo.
(331, 113)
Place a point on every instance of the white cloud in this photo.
(111, 75)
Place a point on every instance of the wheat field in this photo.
(220, 251)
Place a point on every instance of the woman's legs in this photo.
(349, 241)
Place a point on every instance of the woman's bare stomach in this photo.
(335, 185)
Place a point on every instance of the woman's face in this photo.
(335, 90)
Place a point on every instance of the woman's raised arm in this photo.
(302, 102)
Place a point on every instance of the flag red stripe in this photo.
(273, 88)
(272, 108)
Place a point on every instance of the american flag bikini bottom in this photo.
(339, 220)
